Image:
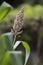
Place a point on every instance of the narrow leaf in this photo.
(4, 10)
(27, 49)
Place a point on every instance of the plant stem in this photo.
(14, 40)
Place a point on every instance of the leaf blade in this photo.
(27, 49)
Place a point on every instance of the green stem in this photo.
(14, 40)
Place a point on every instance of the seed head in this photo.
(18, 22)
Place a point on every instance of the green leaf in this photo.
(5, 44)
(13, 58)
(4, 12)
(8, 39)
(5, 8)
(6, 59)
(2, 48)
(27, 49)
(16, 57)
